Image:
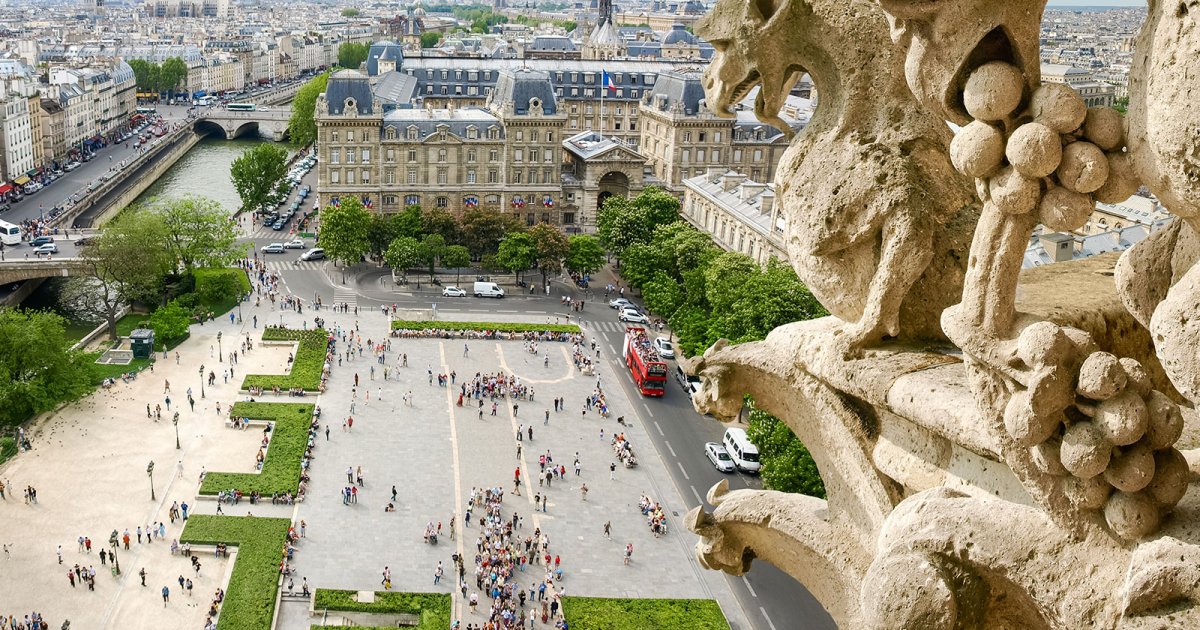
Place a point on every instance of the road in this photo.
(771, 599)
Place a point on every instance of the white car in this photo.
(632, 316)
(295, 243)
(273, 248)
(620, 303)
(453, 292)
(719, 457)
(664, 348)
(45, 250)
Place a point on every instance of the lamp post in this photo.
(243, 298)
(219, 358)
(202, 381)
(150, 473)
(115, 541)
(175, 421)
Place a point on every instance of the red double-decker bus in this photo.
(648, 369)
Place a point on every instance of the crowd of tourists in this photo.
(443, 333)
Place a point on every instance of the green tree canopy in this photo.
(787, 466)
(517, 253)
(351, 12)
(430, 39)
(170, 322)
(623, 222)
(344, 231)
(172, 74)
(456, 257)
(302, 126)
(403, 254)
(585, 255)
(441, 221)
(408, 222)
(37, 368)
(482, 229)
(198, 231)
(431, 249)
(256, 173)
(381, 231)
(552, 247)
(351, 55)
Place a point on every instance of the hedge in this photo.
(8, 448)
(488, 326)
(306, 364)
(281, 469)
(599, 613)
(250, 600)
(433, 608)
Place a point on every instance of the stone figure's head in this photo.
(946, 39)
(745, 57)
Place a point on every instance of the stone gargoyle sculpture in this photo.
(1026, 476)
(877, 220)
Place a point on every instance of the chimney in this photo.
(750, 190)
(714, 173)
(730, 180)
(768, 204)
(1060, 247)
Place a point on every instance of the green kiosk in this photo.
(141, 341)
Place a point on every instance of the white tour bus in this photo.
(10, 234)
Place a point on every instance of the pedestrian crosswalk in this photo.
(345, 295)
(293, 264)
(609, 326)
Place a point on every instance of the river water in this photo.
(204, 171)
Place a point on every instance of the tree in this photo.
(126, 260)
(145, 74)
(351, 12)
(37, 368)
(585, 255)
(787, 465)
(552, 247)
(302, 126)
(456, 257)
(517, 253)
(403, 254)
(441, 221)
(381, 231)
(170, 323)
(197, 231)
(663, 294)
(408, 222)
(430, 39)
(431, 249)
(344, 232)
(352, 55)
(623, 222)
(172, 73)
(256, 174)
(482, 229)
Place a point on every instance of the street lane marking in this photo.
(455, 466)
(767, 617)
(648, 411)
(685, 475)
(748, 587)
(697, 495)
(670, 449)
(660, 432)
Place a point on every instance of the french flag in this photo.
(607, 80)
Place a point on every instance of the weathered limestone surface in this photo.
(1000, 450)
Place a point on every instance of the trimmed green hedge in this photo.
(599, 613)
(306, 365)
(250, 600)
(489, 326)
(8, 448)
(433, 608)
(281, 469)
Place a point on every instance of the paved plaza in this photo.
(89, 466)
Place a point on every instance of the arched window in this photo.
(391, 133)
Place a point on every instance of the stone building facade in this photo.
(739, 214)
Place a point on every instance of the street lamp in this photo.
(219, 359)
(175, 421)
(150, 473)
(240, 300)
(114, 540)
(202, 381)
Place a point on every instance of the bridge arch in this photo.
(246, 128)
(208, 128)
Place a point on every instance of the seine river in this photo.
(204, 171)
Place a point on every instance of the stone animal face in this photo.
(946, 39)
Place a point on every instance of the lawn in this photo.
(226, 303)
(250, 599)
(281, 469)
(598, 613)
(133, 321)
(485, 326)
(8, 448)
(306, 365)
(433, 608)
(101, 372)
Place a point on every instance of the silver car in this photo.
(719, 457)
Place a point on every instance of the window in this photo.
(412, 133)
(335, 157)
(530, 219)
(412, 175)
(471, 176)
(685, 155)
(366, 176)
(442, 202)
(472, 133)
(493, 199)
(349, 136)
(493, 133)
(518, 155)
(333, 136)
(471, 155)
(441, 155)
(335, 177)
(700, 155)
(389, 176)
(391, 133)
(574, 124)
(516, 178)
(442, 175)
(549, 175)
(412, 155)
(737, 155)
(587, 109)
(716, 136)
(545, 217)
(716, 155)
(549, 136)
(493, 155)
(617, 125)
(758, 155)
(366, 156)
(493, 176)
(619, 110)
(349, 176)
(412, 200)
(520, 136)
(390, 156)
(568, 218)
(389, 200)
(350, 156)
(687, 136)
(702, 134)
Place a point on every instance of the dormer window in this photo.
(412, 132)
(472, 133)
(350, 104)
(391, 133)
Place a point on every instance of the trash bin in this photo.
(141, 341)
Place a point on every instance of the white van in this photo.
(744, 454)
(488, 289)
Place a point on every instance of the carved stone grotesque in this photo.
(1030, 476)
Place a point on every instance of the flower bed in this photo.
(281, 468)
(507, 327)
(306, 365)
(432, 608)
(250, 599)
(599, 613)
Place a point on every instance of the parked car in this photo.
(453, 292)
(273, 248)
(315, 253)
(619, 303)
(71, 166)
(719, 457)
(84, 240)
(633, 316)
(689, 383)
(664, 348)
(39, 241)
(295, 243)
(46, 250)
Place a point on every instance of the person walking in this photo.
(166, 593)
(608, 529)
(628, 553)
(437, 574)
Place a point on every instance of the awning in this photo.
(5, 189)
(200, 94)
(21, 181)
(34, 172)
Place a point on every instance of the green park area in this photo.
(250, 599)
(602, 613)
(432, 609)
(307, 364)
(281, 468)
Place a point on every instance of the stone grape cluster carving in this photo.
(1056, 155)
(1107, 435)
